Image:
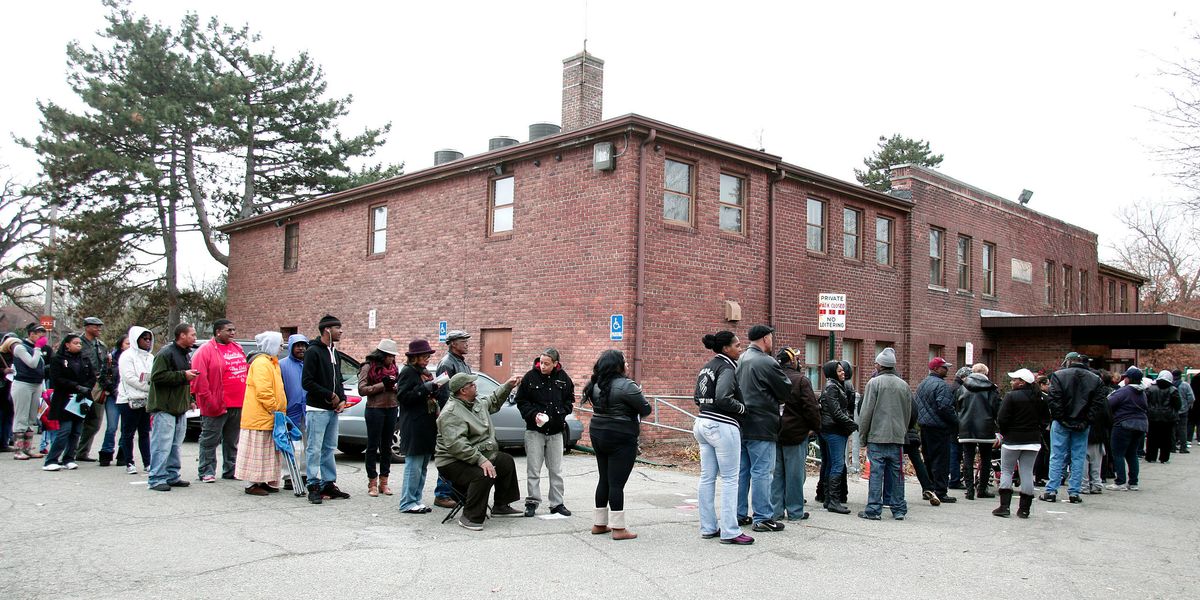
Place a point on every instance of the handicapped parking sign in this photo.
(616, 330)
(442, 331)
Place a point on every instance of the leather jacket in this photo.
(1075, 397)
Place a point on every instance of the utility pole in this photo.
(49, 307)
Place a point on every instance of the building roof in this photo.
(1121, 274)
(1116, 330)
(630, 123)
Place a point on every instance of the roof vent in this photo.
(444, 156)
(501, 142)
(538, 131)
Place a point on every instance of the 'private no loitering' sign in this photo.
(831, 312)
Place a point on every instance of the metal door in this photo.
(495, 348)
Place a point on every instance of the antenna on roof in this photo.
(585, 25)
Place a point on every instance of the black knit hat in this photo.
(328, 321)
(759, 332)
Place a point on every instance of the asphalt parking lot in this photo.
(98, 533)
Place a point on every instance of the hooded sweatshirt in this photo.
(222, 381)
(1128, 405)
(134, 368)
(264, 385)
(291, 367)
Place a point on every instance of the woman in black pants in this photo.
(618, 406)
(377, 383)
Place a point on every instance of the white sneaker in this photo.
(52, 467)
(131, 469)
(71, 466)
(1114, 487)
(1133, 488)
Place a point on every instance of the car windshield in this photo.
(350, 368)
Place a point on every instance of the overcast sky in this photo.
(1052, 97)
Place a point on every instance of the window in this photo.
(816, 225)
(1083, 291)
(1048, 272)
(935, 257)
(989, 269)
(1124, 297)
(502, 205)
(291, 247)
(812, 361)
(988, 357)
(961, 357)
(1068, 287)
(964, 263)
(879, 346)
(850, 355)
(378, 230)
(733, 200)
(883, 241)
(677, 197)
(936, 351)
(851, 228)
(1112, 296)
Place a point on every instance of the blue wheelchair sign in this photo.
(616, 330)
(442, 331)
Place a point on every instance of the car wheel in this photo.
(397, 455)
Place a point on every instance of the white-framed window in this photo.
(989, 269)
(883, 240)
(936, 254)
(812, 361)
(851, 233)
(378, 229)
(502, 205)
(964, 263)
(678, 196)
(816, 225)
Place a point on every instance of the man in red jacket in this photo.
(219, 391)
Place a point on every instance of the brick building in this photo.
(540, 243)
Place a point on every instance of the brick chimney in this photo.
(583, 91)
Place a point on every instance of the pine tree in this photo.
(896, 150)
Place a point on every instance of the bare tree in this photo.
(23, 222)
(1160, 246)
(1181, 118)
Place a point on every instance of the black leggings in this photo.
(381, 427)
(616, 452)
(972, 475)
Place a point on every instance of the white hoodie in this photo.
(135, 366)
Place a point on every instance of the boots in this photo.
(983, 492)
(20, 447)
(616, 520)
(1025, 502)
(821, 490)
(383, 486)
(373, 487)
(1005, 502)
(31, 446)
(970, 494)
(600, 521)
(843, 492)
(832, 503)
(106, 458)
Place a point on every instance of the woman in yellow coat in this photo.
(258, 460)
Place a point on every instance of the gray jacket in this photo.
(451, 365)
(1188, 395)
(764, 388)
(887, 410)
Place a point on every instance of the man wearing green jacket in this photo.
(467, 453)
(169, 400)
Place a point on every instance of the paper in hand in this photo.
(442, 379)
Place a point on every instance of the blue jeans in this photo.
(787, 486)
(886, 485)
(443, 488)
(166, 435)
(755, 470)
(1065, 441)
(720, 454)
(1125, 444)
(66, 439)
(112, 414)
(415, 467)
(835, 446)
(955, 463)
(318, 450)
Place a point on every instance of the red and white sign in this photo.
(831, 312)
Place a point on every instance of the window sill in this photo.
(991, 297)
(678, 226)
(734, 237)
(291, 270)
(965, 293)
(377, 255)
(938, 288)
(499, 237)
(816, 254)
(885, 266)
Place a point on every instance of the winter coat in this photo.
(887, 410)
(1075, 397)
(622, 410)
(169, 389)
(1163, 402)
(96, 353)
(801, 410)
(451, 364)
(1187, 396)
(264, 394)
(553, 395)
(978, 402)
(836, 408)
(1022, 416)
(935, 404)
(1101, 429)
(220, 365)
(717, 394)
(321, 376)
(29, 363)
(1128, 406)
(417, 397)
(373, 389)
(133, 368)
(291, 369)
(465, 432)
(70, 374)
(764, 386)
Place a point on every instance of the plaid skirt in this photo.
(257, 459)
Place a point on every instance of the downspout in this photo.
(771, 243)
(640, 300)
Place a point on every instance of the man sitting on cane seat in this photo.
(468, 455)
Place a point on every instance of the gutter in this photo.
(771, 243)
(640, 300)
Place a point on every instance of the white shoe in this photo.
(1132, 488)
(131, 469)
(1114, 487)
(52, 467)
(71, 466)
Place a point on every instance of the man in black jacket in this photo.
(325, 398)
(939, 425)
(1075, 403)
(764, 387)
(544, 399)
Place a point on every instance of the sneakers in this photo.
(1048, 497)
(52, 467)
(557, 510)
(768, 525)
(208, 479)
(744, 521)
(131, 469)
(71, 466)
(419, 509)
(1133, 487)
(1074, 499)
(931, 497)
(314, 494)
(899, 517)
(865, 515)
(466, 523)
(1097, 489)
(179, 483)
(709, 536)
(504, 510)
(443, 502)
(162, 487)
(85, 459)
(332, 491)
(530, 509)
(741, 540)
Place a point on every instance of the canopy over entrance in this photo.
(1139, 331)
